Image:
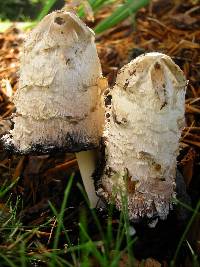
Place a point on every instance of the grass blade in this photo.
(23, 254)
(183, 237)
(8, 188)
(46, 8)
(101, 258)
(95, 5)
(92, 211)
(61, 214)
(8, 261)
(120, 14)
(60, 220)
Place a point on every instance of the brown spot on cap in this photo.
(157, 167)
(126, 84)
(106, 92)
(108, 100)
(157, 66)
(59, 20)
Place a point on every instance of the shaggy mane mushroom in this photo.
(58, 103)
(142, 136)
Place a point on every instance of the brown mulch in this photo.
(171, 27)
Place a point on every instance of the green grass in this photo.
(21, 247)
(128, 9)
(96, 5)
(7, 187)
(48, 4)
(123, 11)
(184, 235)
(18, 245)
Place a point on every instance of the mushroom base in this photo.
(142, 202)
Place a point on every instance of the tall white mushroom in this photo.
(58, 103)
(142, 136)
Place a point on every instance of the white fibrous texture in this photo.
(142, 132)
(58, 101)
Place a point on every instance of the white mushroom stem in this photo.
(87, 164)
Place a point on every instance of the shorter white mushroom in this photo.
(58, 102)
(142, 136)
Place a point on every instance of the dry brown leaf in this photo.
(188, 163)
(149, 262)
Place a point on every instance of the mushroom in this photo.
(58, 103)
(141, 136)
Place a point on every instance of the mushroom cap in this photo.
(58, 102)
(142, 136)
